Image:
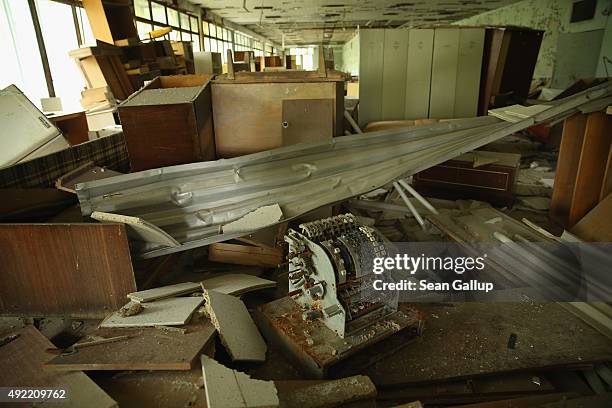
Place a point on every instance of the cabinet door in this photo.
(307, 120)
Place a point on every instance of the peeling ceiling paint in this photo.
(334, 21)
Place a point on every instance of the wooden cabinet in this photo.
(169, 122)
(269, 111)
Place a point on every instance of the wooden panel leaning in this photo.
(583, 169)
(78, 270)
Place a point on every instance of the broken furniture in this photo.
(177, 110)
(275, 109)
(584, 167)
(73, 126)
(101, 66)
(111, 21)
(79, 270)
(22, 361)
(479, 175)
(330, 311)
(27, 132)
(174, 350)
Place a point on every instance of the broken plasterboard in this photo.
(236, 328)
(332, 393)
(165, 312)
(515, 113)
(139, 228)
(164, 292)
(227, 388)
(236, 283)
(261, 217)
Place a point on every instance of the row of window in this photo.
(153, 15)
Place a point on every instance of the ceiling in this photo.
(334, 21)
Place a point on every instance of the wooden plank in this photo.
(244, 254)
(236, 328)
(145, 349)
(394, 74)
(444, 73)
(467, 89)
(418, 73)
(81, 270)
(165, 312)
(21, 363)
(595, 225)
(371, 53)
(592, 165)
(73, 126)
(606, 185)
(567, 166)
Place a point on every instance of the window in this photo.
(184, 25)
(217, 39)
(21, 64)
(60, 36)
(305, 57)
(141, 9)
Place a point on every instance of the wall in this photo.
(350, 56)
(552, 16)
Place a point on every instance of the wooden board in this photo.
(394, 74)
(21, 363)
(593, 162)
(164, 312)
(596, 225)
(418, 73)
(146, 349)
(307, 120)
(567, 166)
(73, 126)
(444, 73)
(81, 270)
(244, 254)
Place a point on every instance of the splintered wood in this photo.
(236, 328)
(21, 365)
(144, 349)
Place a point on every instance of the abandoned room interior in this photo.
(306, 203)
